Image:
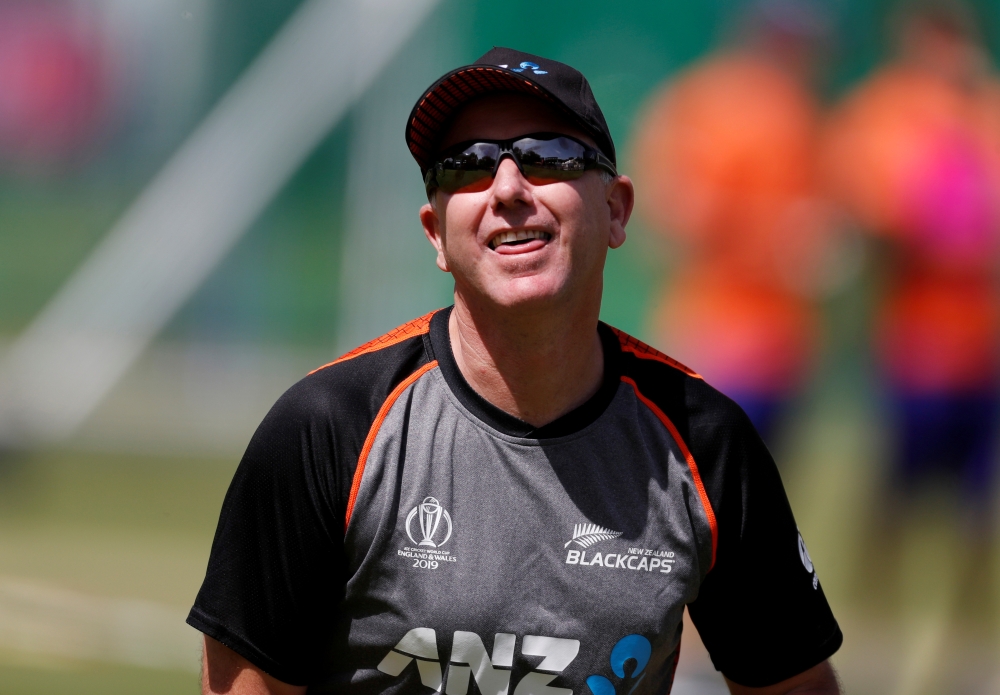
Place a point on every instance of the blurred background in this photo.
(202, 200)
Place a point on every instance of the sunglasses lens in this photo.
(558, 159)
(467, 167)
(454, 180)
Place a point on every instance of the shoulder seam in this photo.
(645, 352)
(397, 335)
(383, 412)
(706, 503)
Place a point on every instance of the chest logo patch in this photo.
(586, 535)
(636, 559)
(428, 526)
(430, 515)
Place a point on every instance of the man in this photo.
(507, 496)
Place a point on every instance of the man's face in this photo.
(515, 243)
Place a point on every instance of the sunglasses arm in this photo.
(603, 162)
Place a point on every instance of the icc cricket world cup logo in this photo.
(429, 513)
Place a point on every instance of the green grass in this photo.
(111, 525)
(107, 526)
(94, 679)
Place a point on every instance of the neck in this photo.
(536, 365)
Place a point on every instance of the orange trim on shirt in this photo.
(645, 352)
(396, 335)
(692, 466)
(373, 432)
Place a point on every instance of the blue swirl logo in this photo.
(528, 65)
(635, 648)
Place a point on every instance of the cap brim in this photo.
(437, 107)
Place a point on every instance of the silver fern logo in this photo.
(586, 535)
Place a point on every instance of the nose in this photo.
(509, 186)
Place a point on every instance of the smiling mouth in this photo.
(518, 238)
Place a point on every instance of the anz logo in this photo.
(469, 660)
(631, 648)
(528, 65)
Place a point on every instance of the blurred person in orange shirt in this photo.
(914, 154)
(728, 153)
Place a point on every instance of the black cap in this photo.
(504, 70)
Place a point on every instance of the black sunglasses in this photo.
(541, 157)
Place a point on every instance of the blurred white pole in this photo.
(196, 208)
(387, 269)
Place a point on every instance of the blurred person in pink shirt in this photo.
(914, 154)
(728, 150)
(59, 78)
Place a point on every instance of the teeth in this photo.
(520, 235)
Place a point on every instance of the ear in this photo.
(434, 231)
(621, 200)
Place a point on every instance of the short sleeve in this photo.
(276, 571)
(761, 611)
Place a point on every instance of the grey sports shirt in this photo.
(388, 530)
